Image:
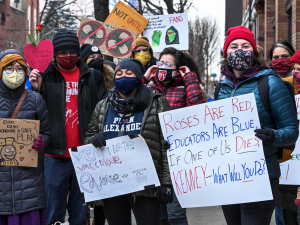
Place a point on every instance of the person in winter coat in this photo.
(172, 78)
(93, 58)
(281, 55)
(131, 99)
(295, 64)
(22, 192)
(243, 68)
(71, 93)
(142, 50)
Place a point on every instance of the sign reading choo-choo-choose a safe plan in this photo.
(168, 31)
(123, 166)
(215, 157)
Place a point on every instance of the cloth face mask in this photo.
(165, 74)
(13, 80)
(67, 62)
(240, 60)
(126, 85)
(144, 57)
(281, 66)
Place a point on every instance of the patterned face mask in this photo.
(240, 59)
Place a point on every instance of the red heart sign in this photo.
(21, 158)
(39, 57)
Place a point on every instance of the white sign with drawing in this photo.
(123, 166)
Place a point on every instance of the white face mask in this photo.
(13, 80)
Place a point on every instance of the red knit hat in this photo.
(296, 57)
(239, 32)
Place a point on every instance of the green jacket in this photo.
(150, 131)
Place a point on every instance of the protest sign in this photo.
(124, 16)
(123, 166)
(39, 57)
(16, 139)
(297, 99)
(215, 157)
(168, 31)
(111, 40)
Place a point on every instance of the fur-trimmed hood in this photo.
(108, 73)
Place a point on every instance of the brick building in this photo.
(272, 21)
(17, 19)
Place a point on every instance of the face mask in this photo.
(297, 77)
(13, 80)
(126, 85)
(67, 62)
(281, 66)
(240, 60)
(165, 74)
(144, 57)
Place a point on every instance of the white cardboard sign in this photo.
(123, 166)
(297, 99)
(215, 157)
(169, 30)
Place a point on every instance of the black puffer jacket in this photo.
(22, 189)
(91, 90)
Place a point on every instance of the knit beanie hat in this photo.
(87, 50)
(238, 32)
(65, 41)
(8, 57)
(141, 41)
(134, 65)
(296, 57)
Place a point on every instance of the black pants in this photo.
(99, 215)
(146, 211)
(258, 213)
(289, 217)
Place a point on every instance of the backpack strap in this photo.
(92, 87)
(217, 90)
(14, 116)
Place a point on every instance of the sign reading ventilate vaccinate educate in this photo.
(215, 157)
(123, 166)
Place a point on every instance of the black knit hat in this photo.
(87, 50)
(132, 64)
(65, 41)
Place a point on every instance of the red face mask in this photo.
(281, 66)
(67, 62)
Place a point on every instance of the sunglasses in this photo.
(141, 50)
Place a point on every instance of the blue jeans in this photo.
(60, 178)
(173, 212)
(278, 216)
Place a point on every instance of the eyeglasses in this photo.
(141, 50)
(11, 70)
(167, 64)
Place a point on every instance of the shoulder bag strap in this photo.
(14, 116)
(217, 90)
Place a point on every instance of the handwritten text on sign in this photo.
(215, 158)
(123, 166)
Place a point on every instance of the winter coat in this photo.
(53, 90)
(152, 62)
(282, 108)
(180, 92)
(150, 131)
(22, 189)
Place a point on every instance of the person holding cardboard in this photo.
(22, 193)
(142, 50)
(71, 92)
(246, 72)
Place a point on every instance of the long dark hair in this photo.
(142, 97)
(287, 45)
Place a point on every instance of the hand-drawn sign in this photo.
(114, 41)
(16, 140)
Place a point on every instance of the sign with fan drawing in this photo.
(111, 40)
(16, 140)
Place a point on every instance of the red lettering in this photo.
(220, 112)
(197, 120)
(206, 114)
(241, 107)
(215, 110)
(189, 122)
(234, 104)
(92, 168)
(204, 171)
(249, 144)
(181, 181)
(167, 124)
(192, 179)
(177, 187)
(247, 108)
(257, 142)
(81, 169)
(182, 121)
(187, 182)
(175, 125)
(236, 141)
(197, 177)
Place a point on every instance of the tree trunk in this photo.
(170, 7)
(101, 8)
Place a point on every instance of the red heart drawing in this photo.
(21, 158)
(21, 147)
(29, 150)
(39, 57)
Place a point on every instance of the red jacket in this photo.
(180, 92)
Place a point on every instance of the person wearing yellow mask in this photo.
(142, 50)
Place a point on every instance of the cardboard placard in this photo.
(39, 57)
(123, 166)
(16, 139)
(215, 157)
(111, 40)
(165, 31)
(124, 16)
(297, 99)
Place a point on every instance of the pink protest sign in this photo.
(39, 57)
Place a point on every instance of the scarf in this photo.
(124, 107)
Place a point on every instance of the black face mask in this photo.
(165, 75)
(96, 64)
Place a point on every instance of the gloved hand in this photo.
(38, 143)
(98, 140)
(165, 145)
(156, 38)
(266, 135)
(165, 194)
